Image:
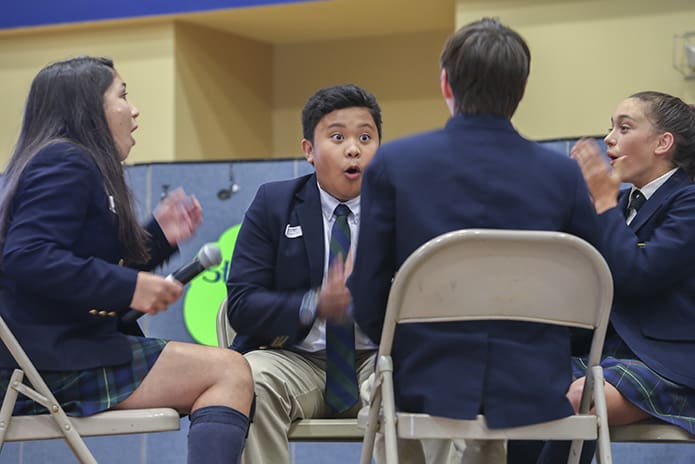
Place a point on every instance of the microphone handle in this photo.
(131, 316)
(188, 272)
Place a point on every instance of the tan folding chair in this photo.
(476, 274)
(314, 430)
(225, 332)
(57, 424)
(650, 431)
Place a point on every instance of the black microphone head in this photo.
(209, 255)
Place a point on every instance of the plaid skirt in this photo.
(87, 392)
(656, 395)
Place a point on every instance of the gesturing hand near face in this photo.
(603, 183)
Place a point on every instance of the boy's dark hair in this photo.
(338, 97)
(487, 65)
(671, 114)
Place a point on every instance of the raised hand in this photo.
(179, 216)
(602, 181)
(334, 297)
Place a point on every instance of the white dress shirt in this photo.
(316, 339)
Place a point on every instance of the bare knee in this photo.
(240, 366)
(620, 410)
(574, 394)
(231, 381)
(235, 373)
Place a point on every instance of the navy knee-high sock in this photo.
(524, 451)
(216, 434)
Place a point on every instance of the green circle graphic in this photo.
(206, 292)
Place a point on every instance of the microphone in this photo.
(208, 256)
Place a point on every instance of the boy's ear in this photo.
(308, 150)
(664, 143)
(447, 93)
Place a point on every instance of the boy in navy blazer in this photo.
(476, 172)
(282, 291)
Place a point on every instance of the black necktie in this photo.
(637, 199)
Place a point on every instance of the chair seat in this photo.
(341, 430)
(650, 430)
(42, 427)
(325, 430)
(411, 425)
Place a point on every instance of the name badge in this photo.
(112, 205)
(293, 231)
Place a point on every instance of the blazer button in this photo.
(121, 262)
(111, 313)
(102, 313)
(93, 312)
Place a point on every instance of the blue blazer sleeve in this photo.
(158, 246)
(266, 283)
(657, 250)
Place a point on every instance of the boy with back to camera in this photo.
(476, 172)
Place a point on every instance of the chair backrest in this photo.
(225, 333)
(470, 274)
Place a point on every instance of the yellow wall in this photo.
(223, 95)
(205, 93)
(143, 55)
(588, 55)
(402, 71)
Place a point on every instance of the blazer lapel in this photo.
(310, 217)
(623, 197)
(655, 201)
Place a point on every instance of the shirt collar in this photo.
(329, 202)
(649, 189)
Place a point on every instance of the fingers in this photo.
(179, 215)
(602, 181)
(585, 147)
(337, 269)
(588, 154)
(189, 207)
(154, 293)
(334, 297)
(194, 210)
(349, 264)
(175, 195)
(593, 165)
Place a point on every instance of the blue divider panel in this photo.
(210, 183)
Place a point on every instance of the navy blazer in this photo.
(653, 266)
(477, 172)
(278, 257)
(61, 288)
